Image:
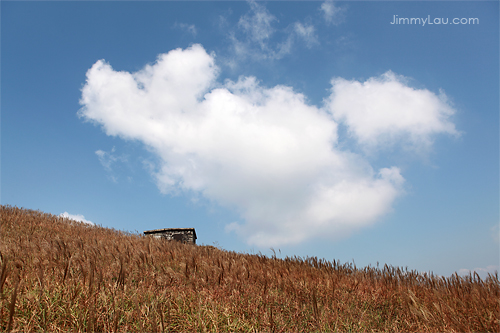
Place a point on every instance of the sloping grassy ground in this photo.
(59, 275)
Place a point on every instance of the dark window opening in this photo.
(178, 237)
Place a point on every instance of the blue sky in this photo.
(314, 128)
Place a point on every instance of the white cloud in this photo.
(306, 32)
(383, 111)
(78, 218)
(258, 24)
(495, 233)
(262, 151)
(190, 28)
(257, 36)
(482, 272)
(252, 37)
(108, 159)
(332, 14)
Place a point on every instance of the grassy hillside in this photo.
(60, 275)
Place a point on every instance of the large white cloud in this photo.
(384, 110)
(264, 152)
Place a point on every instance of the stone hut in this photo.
(184, 235)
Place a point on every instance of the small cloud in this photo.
(253, 34)
(345, 41)
(258, 24)
(148, 165)
(482, 272)
(307, 33)
(385, 111)
(495, 233)
(257, 36)
(333, 14)
(108, 159)
(190, 28)
(78, 218)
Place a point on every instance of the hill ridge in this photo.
(58, 274)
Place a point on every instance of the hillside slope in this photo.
(61, 275)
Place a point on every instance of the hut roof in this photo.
(161, 231)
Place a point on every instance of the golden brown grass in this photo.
(58, 275)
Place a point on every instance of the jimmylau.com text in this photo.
(437, 20)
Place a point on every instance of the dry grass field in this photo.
(60, 275)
